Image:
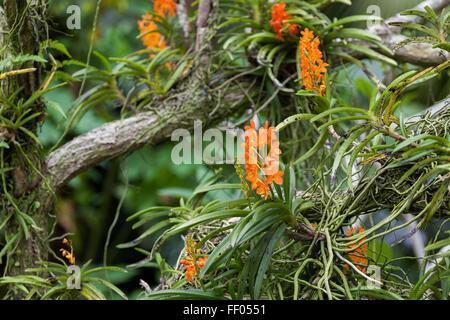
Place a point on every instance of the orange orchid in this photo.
(191, 270)
(193, 262)
(359, 256)
(262, 167)
(161, 7)
(279, 15)
(66, 254)
(312, 65)
(153, 39)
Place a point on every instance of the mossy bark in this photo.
(22, 196)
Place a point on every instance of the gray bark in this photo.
(416, 53)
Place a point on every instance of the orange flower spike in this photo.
(279, 15)
(63, 252)
(66, 254)
(191, 263)
(267, 164)
(313, 68)
(262, 188)
(276, 178)
(152, 39)
(161, 7)
(187, 261)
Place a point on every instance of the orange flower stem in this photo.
(197, 277)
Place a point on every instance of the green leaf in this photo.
(31, 280)
(289, 186)
(443, 45)
(340, 109)
(150, 217)
(437, 245)
(354, 154)
(189, 294)
(175, 75)
(204, 189)
(91, 292)
(106, 284)
(418, 27)
(39, 94)
(229, 204)
(302, 22)
(353, 33)
(98, 269)
(292, 119)
(321, 102)
(160, 58)
(55, 44)
(343, 119)
(217, 253)
(132, 65)
(54, 105)
(3, 144)
(364, 86)
(368, 52)
(103, 60)
(255, 227)
(217, 215)
(317, 146)
(150, 232)
(257, 37)
(405, 42)
(274, 239)
(423, 136)
(54, 290)
(350, 19)
(9, 243)
(380, 252)
(340, 154)
(428, 15)
(149, 210)
(19, 59)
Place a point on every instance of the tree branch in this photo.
(121, 137)
(204, 10)
(417, 53)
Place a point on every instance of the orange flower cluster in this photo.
(313, 67)
(279, 15)
(192, 262)
(359, 257)
(154, 39)
(68, 255)
(161, 7)
(262, 166)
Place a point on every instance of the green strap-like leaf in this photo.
(356, 18)
(189, 294)
(418, 27)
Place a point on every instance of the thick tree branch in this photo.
(416, 53)
(204, 10)
(120, 137)
(183, 19)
